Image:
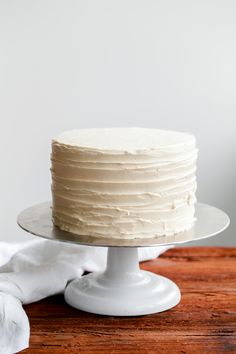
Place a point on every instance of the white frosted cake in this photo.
(123, 182)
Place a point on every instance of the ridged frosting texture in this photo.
(123, 182)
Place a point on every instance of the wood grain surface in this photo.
(203, 322)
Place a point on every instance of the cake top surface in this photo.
(123, 139)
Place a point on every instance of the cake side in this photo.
(145, 190)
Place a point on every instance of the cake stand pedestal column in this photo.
(122, 289)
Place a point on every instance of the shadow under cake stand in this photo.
(122, 289)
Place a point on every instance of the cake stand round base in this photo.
(123, 289)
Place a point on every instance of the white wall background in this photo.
(93, 63)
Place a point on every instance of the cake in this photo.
(123, 182)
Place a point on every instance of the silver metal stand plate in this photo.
(38, 221)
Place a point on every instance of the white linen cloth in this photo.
(34, 270)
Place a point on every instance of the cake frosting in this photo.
(123, 182)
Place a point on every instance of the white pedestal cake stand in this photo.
(123, 289)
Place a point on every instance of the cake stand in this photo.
(122, 289)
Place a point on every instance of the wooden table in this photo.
(204, 321)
